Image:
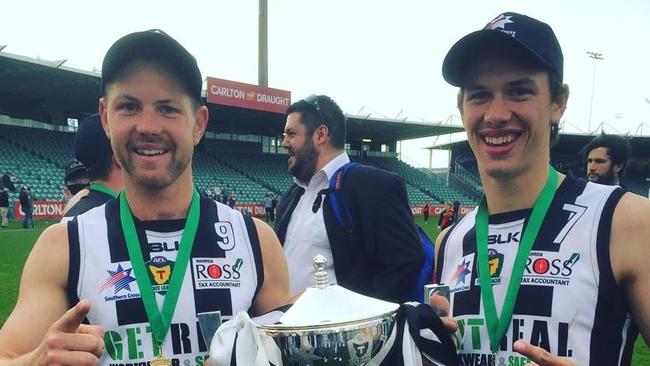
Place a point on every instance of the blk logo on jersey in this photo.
(504, 238)
(160, 270)
(163, 246)
(459, 279)
(217, 272)
(548, 268)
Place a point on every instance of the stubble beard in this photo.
(305, 162)
(607, 178)
(173, 170)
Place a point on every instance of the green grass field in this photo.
(15, 244)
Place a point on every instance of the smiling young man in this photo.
(147, 263)
(548, 268)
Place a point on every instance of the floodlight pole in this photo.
(262, 45)
(596, 56)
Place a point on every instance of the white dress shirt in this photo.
(306, 234)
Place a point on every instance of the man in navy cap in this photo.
(75, 178)
(124, 283)
(547, 266)
(93, 149)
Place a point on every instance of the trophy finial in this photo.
(320, 276)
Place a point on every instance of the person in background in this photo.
(26, 205)
(232, 201)
(267, 202)
(446, 218)
(93, 149)
(225, 193)
(456, 207)
(8, 181)
(426, 211)
(75, 178)
(274, 205)
(382, 255)
(607, 156)
(4, 206)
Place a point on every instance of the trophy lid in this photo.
(327, 304)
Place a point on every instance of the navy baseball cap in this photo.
(529, 35)
(153, 45)
(90, 143)
(72, 167)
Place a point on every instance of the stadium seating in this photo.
(37, 156)
(210, 172)
(422, 186)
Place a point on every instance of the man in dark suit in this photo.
(382, 256)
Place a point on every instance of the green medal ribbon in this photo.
(159, 320)
(497, 326)
(102, 188)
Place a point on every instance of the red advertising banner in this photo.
(252, 209)
(42, 210)
(435, 210)
(236, 94)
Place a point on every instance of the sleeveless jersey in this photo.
(224, 273)
(568, 302)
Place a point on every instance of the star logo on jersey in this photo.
(461, 272)
(120, 278)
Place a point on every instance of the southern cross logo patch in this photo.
(120, 278)
(461, 272)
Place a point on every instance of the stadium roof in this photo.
(49, 91)
(239, 120)
(28, 84)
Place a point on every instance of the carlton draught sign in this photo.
(235, 94)
(42, 210)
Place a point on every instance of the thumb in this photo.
(71, 320)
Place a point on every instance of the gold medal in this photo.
(160, 360)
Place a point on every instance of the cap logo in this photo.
(499, 22)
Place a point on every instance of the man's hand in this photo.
(69, 342)
(441, 306)
(540, 356)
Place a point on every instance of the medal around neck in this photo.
(331, 325)
(160, 360)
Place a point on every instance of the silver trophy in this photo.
(330, 325)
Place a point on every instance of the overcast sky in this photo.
(378, 57)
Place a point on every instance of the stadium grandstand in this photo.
(41, 103)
